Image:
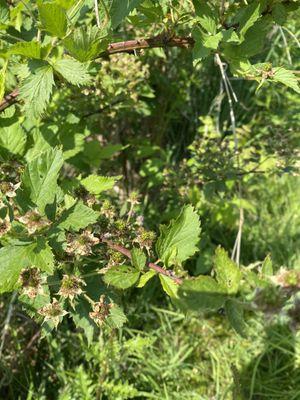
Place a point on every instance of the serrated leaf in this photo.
(212, 41)
(249, 15)
(267, 266)
(4, 12)
(138, 258)
(144, 278)
(122, 277)
(41, 255)
(118, 10)
(39, 180)
(178, 241)
(235, 314)
(201, 293)
(85, 43)
(77, 217)
(200, 52)
(228, 273)
(37, 88)
(53, 18)
(28, 49)
(12, 138)
(286, 77)
(96, 184)
(116, 318)
(73, 71)
(169, 286)
(206, 16)
(12, 260)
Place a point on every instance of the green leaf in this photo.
(14, 258)
(286, 77)
(235, 314)
(96, 184)
(201, 293)
(37, 88)
(145, 278)
(41, 255)
(169, 286)
(116, 318)
(138, 258)
(200, 52)
(267, 266)
(2, 81)
(73, 71)
(12, 138)
(207, 17)
(249, 15)
(228, 273)
(178, 241)
(27, 49)
(39, 180)
(4, 12)
(85, 43)
(279, 13)
(53, 18)
(122, 277)
(118, 10)
(77, 217)
(212, 41)
(12, 261)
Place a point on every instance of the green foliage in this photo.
(98, 184)
(53, 18)
(37, 88)
(176, 125)
(39, 180)
(228, 273)
(178, 241)
(122, 277)
(73, 71)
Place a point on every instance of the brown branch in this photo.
(153, 266)
(9, 100)
(121, 47)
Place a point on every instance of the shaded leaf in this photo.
(122, 277)
(235, 314)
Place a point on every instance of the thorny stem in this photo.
(121, 47)
(153, 266)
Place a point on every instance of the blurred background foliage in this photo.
(165, 126)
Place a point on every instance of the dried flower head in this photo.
(34, 221)
(5, 225)
(81, 245)
(100, 311)
(134, 198)
(287, 278)
(31, 282)
(71, 286)
(145, 238)
(9, 189)
(108, 210)
(52, 312)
